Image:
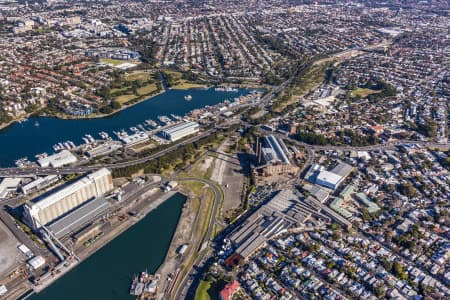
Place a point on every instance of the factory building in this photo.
(286, 211)
(50, 207)
(331, 179)
(40, 183)
(273, 157)
(180, 131)
(65, 157)
(328, 179)
(272, 218)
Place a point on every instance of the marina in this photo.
(49, 134)
(226, 89)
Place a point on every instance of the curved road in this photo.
(180, 290)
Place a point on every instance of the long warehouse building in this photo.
(180, 131)
(44, 210)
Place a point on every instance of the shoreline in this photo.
(69, 117)
(63, 116)
(110, 236)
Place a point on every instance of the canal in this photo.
(38, 135)
(107, 274)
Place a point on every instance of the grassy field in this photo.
(115, 90)
(125, 98)
(147, 89)
(363, 92)
(114, 62)
(184, 85)
(177, 82)
(208, 290)
(202, 291)
(138, 75)
(175, 74)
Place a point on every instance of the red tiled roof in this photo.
(229, 290)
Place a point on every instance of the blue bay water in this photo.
(26, 140)
(108, 273)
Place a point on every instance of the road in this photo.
(7, 172)
(181, 289)
(10, 172)
(356, 148)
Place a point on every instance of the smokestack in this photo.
(258, 151)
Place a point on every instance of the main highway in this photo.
(7, 172)
(16, 172)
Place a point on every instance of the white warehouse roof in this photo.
(36, 262)
(59, 159)
(179, 127)
(180, 130)
(70, 189)
(329, 177)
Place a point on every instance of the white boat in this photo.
(175, 117)
(103, 135)
(151, 123)
(164, 119)
(21, 162)
(42, 155)
(90, 138)
(226, 89)
(188, 97)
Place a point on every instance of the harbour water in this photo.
(25, 139)
(107, 274)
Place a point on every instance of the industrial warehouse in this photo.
(330, 179)
(287, 210)
(57, 160)
(272, 157)
(71, 206)
(179, 131)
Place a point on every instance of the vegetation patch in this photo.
(363, 92)
(147, 89)
(209, 290)
(114, 62)
(188, 85)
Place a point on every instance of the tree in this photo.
(104, 92)
(399, 272)
(407, 189)
(115, 105)
(106, 109)
(380, 291)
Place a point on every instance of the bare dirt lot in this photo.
(229, 172)
(9, 254)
